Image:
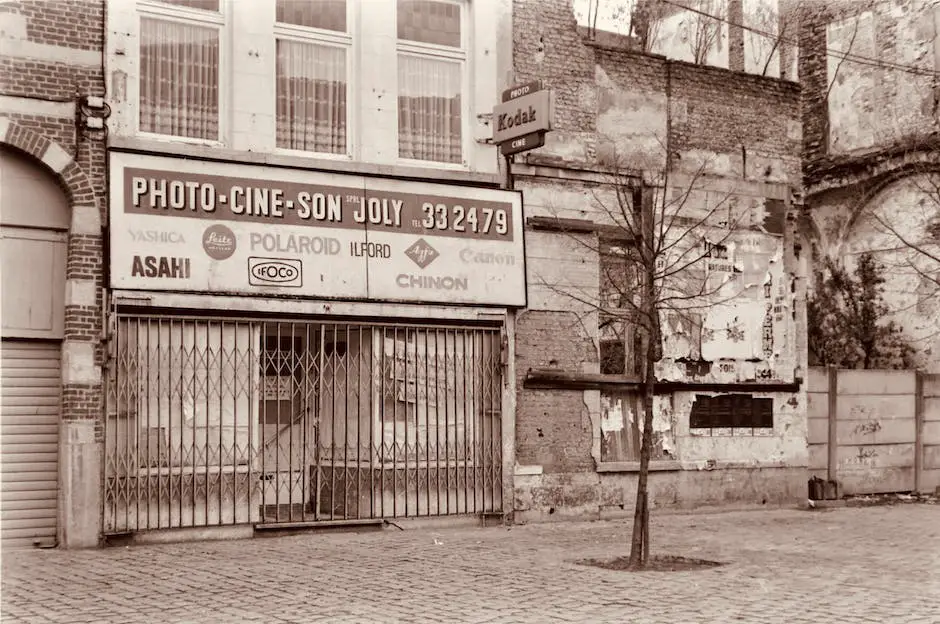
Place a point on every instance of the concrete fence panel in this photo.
(866, 430)
(929, 480)
(818, 421)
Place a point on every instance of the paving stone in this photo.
(879, 564)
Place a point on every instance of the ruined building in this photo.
(870, 73)
(730, 418)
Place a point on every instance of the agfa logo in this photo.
(421, 253)
(219, 242)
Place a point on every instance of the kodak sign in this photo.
(522, 115)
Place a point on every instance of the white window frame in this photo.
(447, 53)
(151, 9)
(320, 36)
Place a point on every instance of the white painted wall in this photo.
(248, 83)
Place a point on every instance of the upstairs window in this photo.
(313, 45)
(432, 60)
(179, 68)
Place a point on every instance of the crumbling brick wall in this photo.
(615, 105)
(870, 126)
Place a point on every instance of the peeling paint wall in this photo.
(850, 223)
(741, 135)
(869, 104)
(867, 142)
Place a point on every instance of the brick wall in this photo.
(553, 428)
(615, 104)
(851, 110)
(616, 99)
(52, 56)
(869, 132)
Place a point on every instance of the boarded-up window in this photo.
(731, 411)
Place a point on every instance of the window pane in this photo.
(311, 97)
(325, 14)
(179, 79)
(204, 5)
(429, 125)
(429, 22)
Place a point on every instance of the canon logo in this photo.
(275, 272)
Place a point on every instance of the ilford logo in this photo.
(275, 272)
(421, 253)
(218, 241)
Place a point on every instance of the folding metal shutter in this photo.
(29, 442)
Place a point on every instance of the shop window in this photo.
(731, 411)
(313, 51)
(432, 60)
(180, 42)
(618, 331)
(185, 386)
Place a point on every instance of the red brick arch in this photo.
(82, 353)
(73, 179)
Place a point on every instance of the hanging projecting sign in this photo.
(522, 119)
(184, 225)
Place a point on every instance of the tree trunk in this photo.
(639, 546)
(652, 346)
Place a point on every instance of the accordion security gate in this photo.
(227, 421)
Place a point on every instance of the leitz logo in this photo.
(275, 272)
(421, 253)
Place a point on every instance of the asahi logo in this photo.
(421, 253)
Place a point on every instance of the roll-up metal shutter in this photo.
(29, 436)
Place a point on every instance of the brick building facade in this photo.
(216, 372)
(52, 60)
(727, 134)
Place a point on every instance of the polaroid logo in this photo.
(275, 272)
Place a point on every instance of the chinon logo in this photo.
(421, 253)
(426, 282)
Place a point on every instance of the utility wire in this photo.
(855, 58)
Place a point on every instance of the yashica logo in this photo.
(219, 242)
(421, 253)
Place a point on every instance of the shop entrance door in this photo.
(214, 421)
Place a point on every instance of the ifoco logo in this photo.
(421, 253)
(275, 272)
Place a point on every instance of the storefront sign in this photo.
(197, 226)
(522, 115)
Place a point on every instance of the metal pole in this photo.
(507, 180)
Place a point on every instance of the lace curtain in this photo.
(311, 97)
(179, 79)
(429, 125)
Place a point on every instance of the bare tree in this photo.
(646, 18)
(769, 29)
(705, 28)
(637, 18)
(910, 238)
(663, 251)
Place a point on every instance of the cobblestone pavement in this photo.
(875, 564)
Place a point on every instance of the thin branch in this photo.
(848, 50)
